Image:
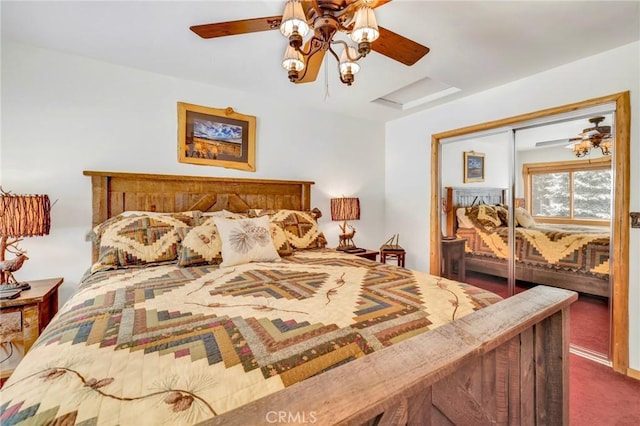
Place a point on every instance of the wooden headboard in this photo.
(465, 197)
(113, 193)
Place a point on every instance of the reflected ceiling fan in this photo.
(324, 19)
(596, 136)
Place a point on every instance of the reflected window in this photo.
(569, 191)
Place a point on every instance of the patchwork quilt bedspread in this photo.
(579, 249)
(178, 345)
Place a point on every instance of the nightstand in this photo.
(368, 254)
(453, 266)
(22, 320)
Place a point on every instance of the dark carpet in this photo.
(598, 396)
(589, 315)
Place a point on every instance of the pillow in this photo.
(246, 240)
(484, 217)
(189, 218)
(192, 214)
(224, 213)
(503, 214)
(279, 238)
(139, 239)
(200, 244)
(300, 227)
(524, 218)
(463, 219)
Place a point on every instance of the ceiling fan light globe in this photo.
(293, 20)
(365, 27)
(292, 60)
(347, 64)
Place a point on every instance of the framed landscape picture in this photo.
(473, 167)
(216, 137)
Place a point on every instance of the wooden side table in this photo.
(369, 254)
(398, 255)
(22, 320)
(453, 263)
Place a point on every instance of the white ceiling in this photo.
(475, 45)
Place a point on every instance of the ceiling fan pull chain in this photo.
(326, 78)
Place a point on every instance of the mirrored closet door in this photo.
(541, 191)
(476, 175)
(565, 183)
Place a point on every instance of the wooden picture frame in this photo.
(216, 137)
(473, 167)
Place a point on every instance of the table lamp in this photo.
(20, 216)
(345, 209)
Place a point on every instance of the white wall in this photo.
(62, 114)
(496, 161)
(408, 148)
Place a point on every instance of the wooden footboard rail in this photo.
(505, 364)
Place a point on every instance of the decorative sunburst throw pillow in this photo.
(246, 240)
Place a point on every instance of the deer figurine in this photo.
(8, 267)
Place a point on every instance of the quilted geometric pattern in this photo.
(301, 227)
(138, 239)
(179, 345)
(200, 244)
(279, 238)
(579, 249)
(484, 216)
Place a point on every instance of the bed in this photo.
(566, 256)
(317, 336)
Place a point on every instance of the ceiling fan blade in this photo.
(377, 3)
(553, 142)
(398, 47)
(557, 142)
(313, 67)
(371, 3)
(222, 29)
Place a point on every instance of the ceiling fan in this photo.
(596, 136)
(325, 19)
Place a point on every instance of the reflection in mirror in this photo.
(564, 181)
(616, 258)
(475, 176)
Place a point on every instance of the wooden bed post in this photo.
(552, 369)
(100, 199)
